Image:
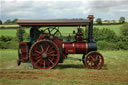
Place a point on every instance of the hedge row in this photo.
(108, 24)
(9, 27)
(103, 45)
(8, 45)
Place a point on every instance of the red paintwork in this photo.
(74, 47)
(56, 40)
(24, 51)
(52, 24)
(43, 36)
(22, 43)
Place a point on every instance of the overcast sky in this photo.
(46, 9)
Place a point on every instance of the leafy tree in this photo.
(124, 32)
(104, 34)
(122, 20)
(14, 21)
(99, 21)
(0, 22)
(19, 34)
(8, 22)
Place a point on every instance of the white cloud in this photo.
(63, 8)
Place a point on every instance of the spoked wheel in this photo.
(44, 54)
(94, 60)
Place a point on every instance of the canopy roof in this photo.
(53, 22)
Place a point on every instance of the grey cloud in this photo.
(63, 9)
(41, 9)
(108, 5)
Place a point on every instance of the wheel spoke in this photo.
(53, 55)
(93, 59)
(37, 57)
(51, 48)
(97, 58)
(50, 61)
(47, 49)
(42, 48)
(38, 52)
(38, 61)
(93, 62)
(51, 52)
(35, 54)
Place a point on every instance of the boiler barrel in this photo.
(78, 47)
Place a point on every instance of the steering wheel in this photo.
(52, 31)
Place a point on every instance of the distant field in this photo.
(71, 72)
(9, 25)
(12, 32)
(115, 28)
(8, 32)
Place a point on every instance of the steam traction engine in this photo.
(47, 48)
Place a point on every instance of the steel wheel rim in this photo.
(44, 54)
(94, 60)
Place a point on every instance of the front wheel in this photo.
(93, 60)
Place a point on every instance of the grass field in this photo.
(115, 28)
(71, 72)
(9, 25)
(12, 32)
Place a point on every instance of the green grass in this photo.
(8, 32)
(6, 56)
(9, 25)
(71, 72)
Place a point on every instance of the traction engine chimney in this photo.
(90, 30)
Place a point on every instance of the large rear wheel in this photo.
(44, 54)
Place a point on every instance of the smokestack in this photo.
(90, 30)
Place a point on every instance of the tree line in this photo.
(98, 21)
(9, 21)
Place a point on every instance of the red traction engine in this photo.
(47, 47)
